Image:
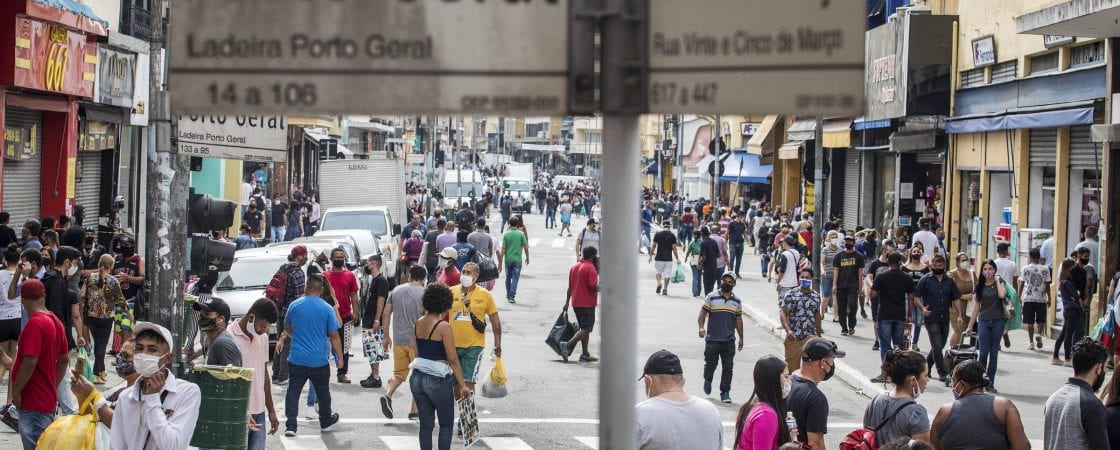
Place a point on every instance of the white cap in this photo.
(449, 253)
(141, 326)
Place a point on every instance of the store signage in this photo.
(53, 58)
(98, 136)
(19, 143)
(749, 128)
(803, 58)
(370, 56)
(1054, 40)
(116, 76)
(248, 138)
(139, 115)
(898, 64)
(984, 51)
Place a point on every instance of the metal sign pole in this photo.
(819, 215)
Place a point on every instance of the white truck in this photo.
(518, 182)
(520, 171)
(459, 186)
(366, 194)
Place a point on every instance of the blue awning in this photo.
(1041, 119)
(861, 124)
(743, 167)
(651, 169)
(74, 7)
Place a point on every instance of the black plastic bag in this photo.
(562, 331)
(487, 268)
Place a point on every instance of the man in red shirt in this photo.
(345, 286)
(583, 295)
(41, 361)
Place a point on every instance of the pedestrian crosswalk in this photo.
(410, 442)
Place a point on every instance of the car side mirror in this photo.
(396, 229)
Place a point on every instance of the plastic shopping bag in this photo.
(86, 364)
(468, 421)
(373, 346)
(495, 386)
(562, 331)
(678, 274)
(77, 431)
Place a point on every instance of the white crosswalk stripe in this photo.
(534, 241)
(558, 243)
(495, 443)
(591, 442)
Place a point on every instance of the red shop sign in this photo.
(54, 59)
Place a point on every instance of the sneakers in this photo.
(370, 382)
(100, 378)
(290, 433)
(863, 313)
(413, 416)
(511, 300)
(875, 346)
(659, 289)
(330, 423)
(9, 416)
(1038, 342)
(725, 397)
(707, 387)
(312, 412)
(586, 357)
(1056, 362)
(879, 379)
(387, 406)
(1006, 341)
(280, 382)
(564, 352)
(343, 379)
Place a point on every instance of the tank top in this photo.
(430, 349)
(972, 424)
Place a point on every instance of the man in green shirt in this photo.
(515, 248)
(692, 256)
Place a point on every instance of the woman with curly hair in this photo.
(436, 371)
(976, 419)
(761, 422)
(893, 415)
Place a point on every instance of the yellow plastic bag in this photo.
(495, 386)
(77, 431)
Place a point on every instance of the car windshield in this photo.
(249, 273)
(453, 189)
(374, 221)
(516, 185)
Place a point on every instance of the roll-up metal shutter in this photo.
(1044, 147)
(932, 156)
(22, 178)
(1084, 154)
(853, 169)
(88, 192)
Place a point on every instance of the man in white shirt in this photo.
(1005, 267)
(1092, 244)
(160, 411)
(928, 240)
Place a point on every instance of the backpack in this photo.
(278, 287)
(863, 438)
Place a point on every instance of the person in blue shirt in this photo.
(466, 252)
(310, 322)
(647, 220)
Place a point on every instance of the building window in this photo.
(595, 137)
(1044, 63)
(972, 78)
(1091, 54)
(1005, 71)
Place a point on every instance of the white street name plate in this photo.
(369, 56)
(801, 57)
(248, 138)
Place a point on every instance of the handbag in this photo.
(865, 439)
(487, 268)
(478, 324)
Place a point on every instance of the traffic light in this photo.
(205, 214)
(207, 253)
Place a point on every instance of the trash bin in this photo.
(223, 414)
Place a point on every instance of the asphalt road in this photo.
(553, 405)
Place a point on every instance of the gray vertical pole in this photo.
(165, 250)
(819, 214)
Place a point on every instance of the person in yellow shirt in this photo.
(472, 305)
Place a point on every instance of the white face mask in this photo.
(252, 327)
(786, 388)
(72, 270)
(835, 242)
(964, 265)
(466, 280)
(146, 365)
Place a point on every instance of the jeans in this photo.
(505, 221)
(32, 424)
(990, 331)
(257, 438)
(891, 336)
(1073, 329)
(280, 360)
(550, 218)
(847, 301)
(918, 319)
(102, 331)
(684, 235)
(645, 243)
(697, 280)
(435, 397)
(719, 353)
(278, 233)
(513, 275)
(938, 335)
(320, 378)
(736, 253)
(764, 263)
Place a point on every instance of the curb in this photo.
(844, 371)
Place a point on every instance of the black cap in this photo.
(663, 362)
(849, 238)
(817, 349)
(214, 304)
(790, 240)
(592, 221)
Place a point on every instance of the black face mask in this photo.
(830, 373)
(1099, 382)
(726, 287)
(338, 263)
(89, 240)
(127, 252)
(938, 271)
(850, 246)
(1085, 262)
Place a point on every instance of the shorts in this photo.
(469, 360)
(1034, 312)
(826, 287)
(586, 318)
(9, 330)
(402, 357)
(663, 268)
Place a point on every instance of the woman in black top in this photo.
(1073, 310)
(991, 317)
(916, 269)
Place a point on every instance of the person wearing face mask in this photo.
(829, 248)
(720, 320)
(1073, 309)
(30, 233)
(891, 290)
(100, 297)
(372, 311)
(473, 304)
(991, 317)
(1075, 417)
(63, 302)
(251, 335)
(977, 420)
(279, 216)
(670, 418)
(962, 311)
(213, 318)
(39, 366)
(894, 415)
(916, 268)
(935, 295)
(801, 317)
(805, 400)
(161, 410)
(91, 253)
(130, 271)
(847, 273)
(447, 273)
(346, 289)
(583, 295)
(761, 423)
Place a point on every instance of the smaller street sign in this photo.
(249, 138)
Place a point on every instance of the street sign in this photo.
(778, 57)
(370, 56)
(249, 138)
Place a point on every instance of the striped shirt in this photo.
(723, 316)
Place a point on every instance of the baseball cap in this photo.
(118, 199)
(449, 253)
(663, 362)
(214, 304)
(727, 275)
(817, 349)
(32, 289)
(849, 238)
(591, 221)
(163, 332)
(299, 250)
